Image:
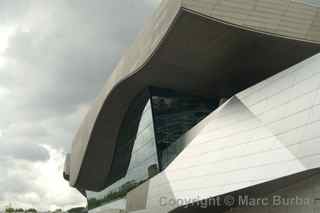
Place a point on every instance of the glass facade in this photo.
(174, 114)
(167, 115)
(315, 3)
(144, 162)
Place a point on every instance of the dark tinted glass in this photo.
(174, 114)
(143, 164)
(165, 118)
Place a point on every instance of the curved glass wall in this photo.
(143, 164)
(166, 116)
(174, 114)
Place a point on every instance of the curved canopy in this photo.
(183, 51)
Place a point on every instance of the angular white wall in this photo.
(301, 197)
(266, 132)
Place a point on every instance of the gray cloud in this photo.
(69, 62)
(58, 58)
(15, 178)
(11, 11)
(23, 151)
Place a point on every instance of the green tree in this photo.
(77, 210)
(31, 210)
(9, 209)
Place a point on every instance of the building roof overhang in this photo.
(184, 51)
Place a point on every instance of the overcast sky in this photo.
(54, 58)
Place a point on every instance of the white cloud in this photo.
(54, 186)
(54, 58)
(5, 33)
(39, 184)
(4, 92)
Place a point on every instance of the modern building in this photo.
(214, 108)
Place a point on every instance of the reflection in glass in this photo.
(315, 3)
(174, 114)
(143, 159)
(166, 117)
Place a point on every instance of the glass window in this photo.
(157, 140)
(315, 3)
(174, 114)
(143, 157)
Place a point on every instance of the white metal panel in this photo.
(242, 145)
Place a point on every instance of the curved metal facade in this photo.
(228, 46)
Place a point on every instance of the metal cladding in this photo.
(261, 135)
(228, 46)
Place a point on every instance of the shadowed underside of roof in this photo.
(198, 55)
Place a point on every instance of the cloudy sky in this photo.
(55, 56)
